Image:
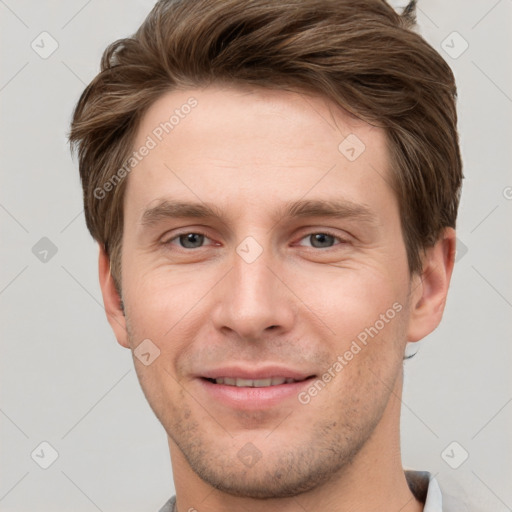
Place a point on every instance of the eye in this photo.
(188, 240)
(321, 240)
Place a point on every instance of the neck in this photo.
(374, 481)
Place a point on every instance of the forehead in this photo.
(223, 142)
(291, 116)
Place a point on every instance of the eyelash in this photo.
(323, 232)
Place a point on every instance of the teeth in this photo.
(244, 383)
(259, 383)
(253, 383)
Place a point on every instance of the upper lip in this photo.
(264, 372)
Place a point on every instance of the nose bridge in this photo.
(252, 299)
(253, 283)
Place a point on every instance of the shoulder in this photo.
(443, 493)
(464, 492)
(169, 506)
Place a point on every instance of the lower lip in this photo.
(253, 398)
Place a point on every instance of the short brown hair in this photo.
(360, 54)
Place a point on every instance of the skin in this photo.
(248, 152)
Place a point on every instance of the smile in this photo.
(253, 383)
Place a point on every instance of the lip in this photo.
(265, 372)
(253, 398)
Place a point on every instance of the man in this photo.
(274, 188)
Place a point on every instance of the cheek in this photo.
(171, 313)
(367, 317)
(348, 301)
(161, 298)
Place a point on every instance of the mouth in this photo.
(240, 382)
(251, 390)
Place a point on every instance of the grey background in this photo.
(66, 381)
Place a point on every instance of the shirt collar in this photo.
(426, 489)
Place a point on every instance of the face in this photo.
(265, 263)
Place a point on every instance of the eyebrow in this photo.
(328, 208)
(340, 209)
(176, 209)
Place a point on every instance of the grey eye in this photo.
(191, 240)
(321, 240)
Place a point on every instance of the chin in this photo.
(279, 472)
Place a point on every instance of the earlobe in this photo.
(430, 289)
(111, 299)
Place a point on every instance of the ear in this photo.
(430, 288)
(112, 300)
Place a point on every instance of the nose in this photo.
(253, 300)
